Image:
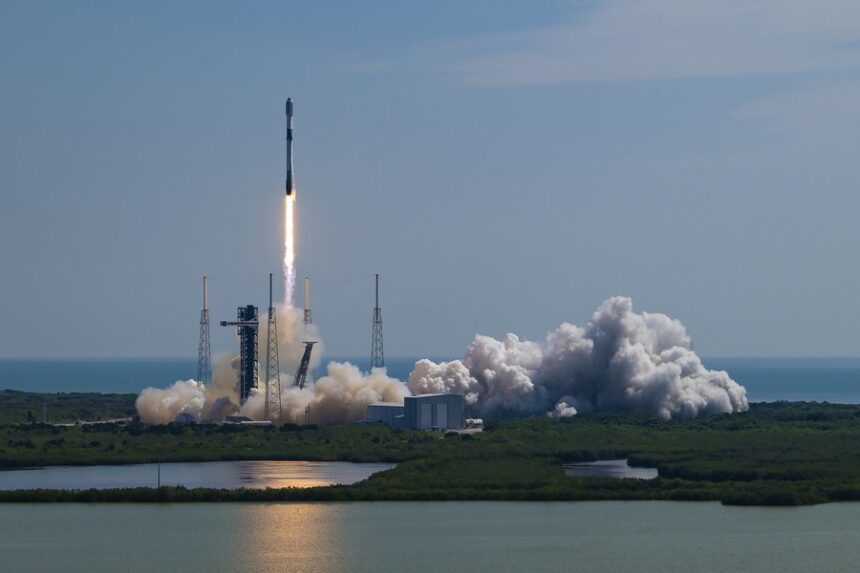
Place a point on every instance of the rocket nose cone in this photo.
(289, 106)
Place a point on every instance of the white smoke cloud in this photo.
(620, 362)
(161, 406)
(342, 395)
(453, 377)
(219, 399)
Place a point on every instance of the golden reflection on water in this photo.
(291, 474)
(294, 538)
(278, 474)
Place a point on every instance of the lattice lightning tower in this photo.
(204, 354)
(307, 300)
(377, 357)
(273, 378)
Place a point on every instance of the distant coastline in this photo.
(831, 379)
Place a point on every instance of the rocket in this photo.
(291, 184)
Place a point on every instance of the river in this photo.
(424, 537)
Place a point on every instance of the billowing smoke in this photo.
(620, 362)
(221, 398)
(162, 406)
(342, 395)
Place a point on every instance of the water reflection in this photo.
(609, 468)
(299, 538)
(426, 537)
(230, 475)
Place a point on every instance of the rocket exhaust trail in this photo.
(289, 215)
(289, 250)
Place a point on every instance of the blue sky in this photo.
(505, 166)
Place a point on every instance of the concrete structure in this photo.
(434, 412)
(387, 413)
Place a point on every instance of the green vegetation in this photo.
(776, 454)
(62, 408)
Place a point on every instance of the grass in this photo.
(17, 407)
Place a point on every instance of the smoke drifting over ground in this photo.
(221, 397)
(620, 361)
(342, 395)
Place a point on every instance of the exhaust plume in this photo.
(221, 398)
(289, 250)
(620, 362)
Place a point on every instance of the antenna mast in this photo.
(204, 354)
(307, 300)
(273, 379)
(377, 358)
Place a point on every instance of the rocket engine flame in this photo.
(289, 250)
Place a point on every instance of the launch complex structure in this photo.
(247, 324)
(247, 321)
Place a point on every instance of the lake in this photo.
(419, 537)
(231, 475)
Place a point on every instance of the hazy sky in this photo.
(505, 166)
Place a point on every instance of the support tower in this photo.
(247, 323)
(273, 379)
(377, 358)
(302, 372)
(204, 354)
(307, 300)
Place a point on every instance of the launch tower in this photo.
(204, 353)
(247, 323)
(273, 379)
(307, 300)
(377, 358)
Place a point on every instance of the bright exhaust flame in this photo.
(289, 251)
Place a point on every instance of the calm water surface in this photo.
(609, 468)
(250, 474)
(427, 537)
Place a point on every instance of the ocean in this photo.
(766, 379)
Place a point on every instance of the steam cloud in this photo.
(341, 395)
(620, 361)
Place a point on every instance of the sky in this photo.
(505, 166)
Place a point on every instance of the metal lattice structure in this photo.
(377, 357)
(307, 300)
(204, 353)
(247, 324)
(302, 372)
(273, 378)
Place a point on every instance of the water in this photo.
(128, 375)
(231, 475)
(427, 537)
(766, 379)
(820, 379)
(106, 375)
(608, 468)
